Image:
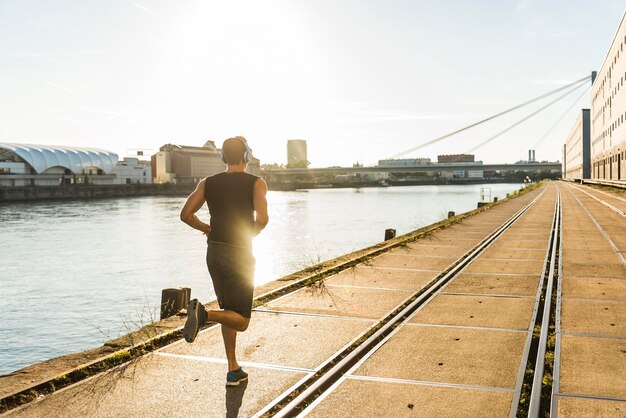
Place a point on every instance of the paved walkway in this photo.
(591, 331)
(463, 353)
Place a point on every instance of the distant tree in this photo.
(299, 164)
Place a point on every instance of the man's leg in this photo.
(230, 345)
(231, 319)
(231, 322)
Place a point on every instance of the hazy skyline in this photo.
(359, 80)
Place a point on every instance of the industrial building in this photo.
(49, 165)
(455, 158)
(608, 113)
(576, 151)
(460, 158)
(404, 162)
(186, 164)
(132, 170)
(467, 159)
(296, 153)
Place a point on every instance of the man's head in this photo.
(236, 151)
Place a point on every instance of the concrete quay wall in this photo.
(36, 193)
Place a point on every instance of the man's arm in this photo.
(260, 206)
(192, 205)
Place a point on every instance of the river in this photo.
(75, 274)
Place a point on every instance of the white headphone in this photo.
(247, 154)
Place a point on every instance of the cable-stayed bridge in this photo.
(282, 175)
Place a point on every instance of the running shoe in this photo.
(233, 378)
(196, 318)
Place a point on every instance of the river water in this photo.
(76, 274)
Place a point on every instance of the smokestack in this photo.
(594, 74)
(530, 155)
(534, 156)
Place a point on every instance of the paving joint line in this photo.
(388, 289)
(420, 256)
(314, 315)
(594, 278)
(218, 360)
(610, 241)
(616, 302)
(501, 274)
(608, 194)
(428, 383)
(591, 335)
(607, 204)
(532, 260)
(594, 397)
(468, 327)
(489, 295)
(399, 268)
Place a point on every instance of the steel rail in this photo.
(534, 407)
(313, 386)
(528, 346)
(556, 368)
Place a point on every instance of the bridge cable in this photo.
(432, 141)
(549, 131)
(488, 140)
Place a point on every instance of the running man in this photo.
(238, 209)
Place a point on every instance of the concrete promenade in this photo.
(464, 352)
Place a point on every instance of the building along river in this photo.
(76, 274)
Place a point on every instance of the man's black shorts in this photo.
(232, 271)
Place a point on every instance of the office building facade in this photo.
(608, 113)
(132, 170)
(189, 164)
(296, 153)
(576, 151)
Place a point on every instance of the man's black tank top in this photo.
(230, 198)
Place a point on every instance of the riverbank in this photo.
(357, 184)
(28, 383)
(80, 191)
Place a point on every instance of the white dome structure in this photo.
(75, 159)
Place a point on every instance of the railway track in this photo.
(310, 392)
(601, 215)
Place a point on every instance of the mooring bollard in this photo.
(389, 234)
(495, 199)
(450, 214)
(173, 300)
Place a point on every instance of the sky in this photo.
(358, 80)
